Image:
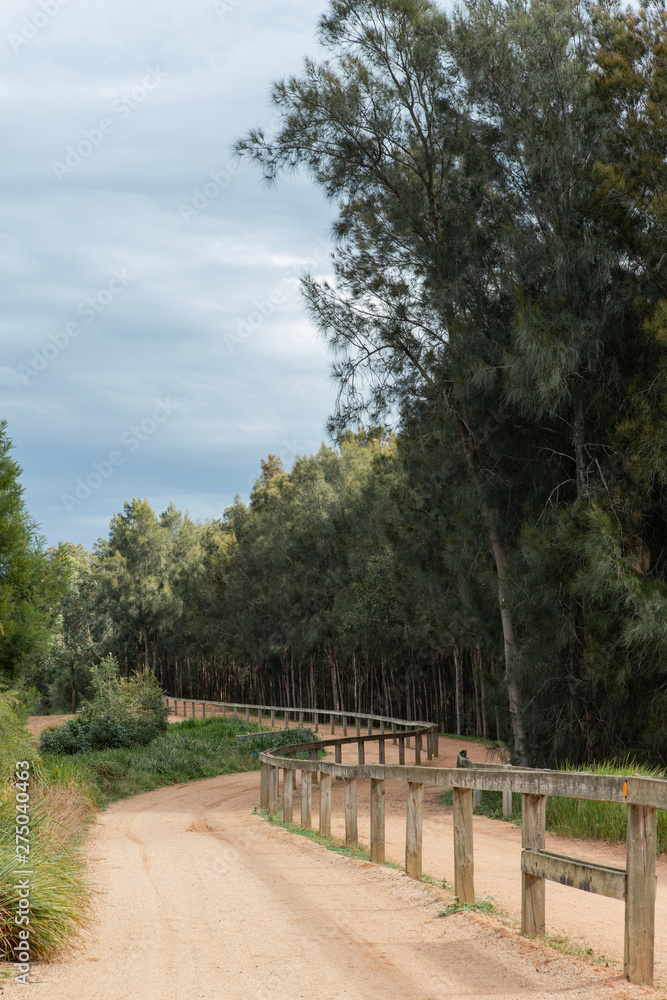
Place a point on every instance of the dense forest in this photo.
(498, 297)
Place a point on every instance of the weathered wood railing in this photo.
(636, 884)
(399, 731)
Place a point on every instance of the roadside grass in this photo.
(580, 818)
(360, 853)
(188, 751)
(558, 942)
(59, 894)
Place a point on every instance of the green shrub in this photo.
(271, 738)
(198, 748)
(124, 713)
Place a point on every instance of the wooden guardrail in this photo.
(636, 884)
(399, 731)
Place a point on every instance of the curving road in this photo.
(199, 898)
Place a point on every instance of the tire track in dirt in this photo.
(199, 898)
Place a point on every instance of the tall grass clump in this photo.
(57, 816)
(592, 820)
(58, 890)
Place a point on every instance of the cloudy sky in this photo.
(153, 337)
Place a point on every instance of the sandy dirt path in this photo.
(199, 898)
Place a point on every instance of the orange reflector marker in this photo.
(625, 789)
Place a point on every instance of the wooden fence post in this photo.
(370, 727)
(264, 786)
(273, 718)
(401, 750)
(345, 725)
(532, 887)
(413, 830)
(464, 866)
(288, 797)
(381, 750)
(358, 725)
(360, 752)
(351, 828)
(325, 805)
(393, 729)
(259, 717)
(377, 820)
(306, 800)
(313, 757)
(213, 711)
(193, 710)
(640, 895)
(332, 720)
(418, 750)
(507, 803)
(338, 753)
(273, 790)
(247, 714)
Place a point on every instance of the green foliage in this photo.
(15, 742)
(124, 713)
(485, 905)
(601, 820)
(58, 890)
(198, 748)
(29, 581)
(266, 740)
(498, 282)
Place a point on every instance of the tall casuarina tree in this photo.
(445, 195)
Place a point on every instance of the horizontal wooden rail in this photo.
(643, 797)
(577, 874)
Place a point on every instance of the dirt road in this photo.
(200, 898)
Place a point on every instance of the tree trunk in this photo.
(458, 689)
(71, 670)
(504, 597)
(485, 721)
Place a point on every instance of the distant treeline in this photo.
(360, 580)
(297, 598)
